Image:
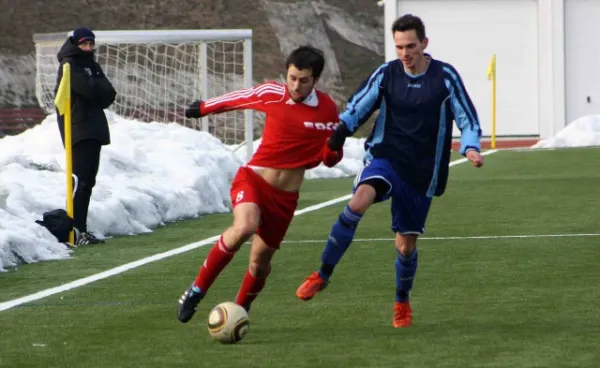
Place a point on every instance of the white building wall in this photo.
(552, 67)
(550, 59)
(582, 58)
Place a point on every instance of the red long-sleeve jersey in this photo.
(294, 133)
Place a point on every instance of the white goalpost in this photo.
(157, 73)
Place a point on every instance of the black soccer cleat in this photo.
(188, 303)
(86, 238)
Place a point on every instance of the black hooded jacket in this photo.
(91, 93)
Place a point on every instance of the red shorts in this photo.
(276, 206)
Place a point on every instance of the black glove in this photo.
(193, 110)
(338, 137)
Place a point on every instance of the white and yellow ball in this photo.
(228, 323)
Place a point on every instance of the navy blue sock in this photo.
(406, 268)
(339, 240)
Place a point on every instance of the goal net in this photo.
(158, 73)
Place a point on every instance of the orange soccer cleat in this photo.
(309, 288)
(402, 314)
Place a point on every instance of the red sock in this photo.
(251, 287)
(218, 258)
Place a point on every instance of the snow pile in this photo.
(150, 174)
(583, 132)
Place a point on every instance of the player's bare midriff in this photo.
(289, 180)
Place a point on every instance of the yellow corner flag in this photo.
(491, 74)
(63, 104)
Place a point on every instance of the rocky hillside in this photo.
(349, 31)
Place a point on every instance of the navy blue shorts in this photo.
(409, 208)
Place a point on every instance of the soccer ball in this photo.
(228, 323)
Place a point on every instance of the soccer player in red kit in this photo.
(264, 192)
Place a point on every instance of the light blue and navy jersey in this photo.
(414, 127)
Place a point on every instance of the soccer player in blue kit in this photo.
(406, 155)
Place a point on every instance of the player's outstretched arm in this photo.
(360, 107)
(249, 98)
(465, 116)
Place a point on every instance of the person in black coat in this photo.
(91, 93)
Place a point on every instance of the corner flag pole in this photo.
(491, 74)
(63, 104)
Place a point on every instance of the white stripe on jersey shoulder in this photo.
(270, 87)
(275, 88)
(272, 84)
(259, 91)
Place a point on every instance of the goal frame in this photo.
(170, 36)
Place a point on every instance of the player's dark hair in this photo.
(409, 22)
(307, 57)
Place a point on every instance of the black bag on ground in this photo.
(58, 223)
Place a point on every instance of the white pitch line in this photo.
(157, 257)
(525, 236)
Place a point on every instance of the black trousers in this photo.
(86, 161)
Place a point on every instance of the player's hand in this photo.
(338, 137)
(330, 157)
(475, 157)
(193, 110)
